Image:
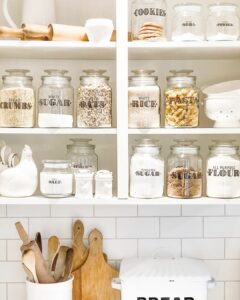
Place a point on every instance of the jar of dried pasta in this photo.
(182, 100)
(94, 100)
(17, 100)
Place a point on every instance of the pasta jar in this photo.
(94, 100)
(223, 22)
(184, 170)
(149, 20)
(223, 170)
(82, 155)
(188, 23)
(182, 100)
(143, 100)
(56, 179)
(146, 170)
(17, 100)
(103, 184)
(84, 184)
(55, 100)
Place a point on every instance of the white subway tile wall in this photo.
(211, 233)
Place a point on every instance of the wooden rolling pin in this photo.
(59, 32)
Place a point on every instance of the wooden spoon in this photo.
(29, 261)
(68, 265)
(53, 248)
(38, 239)
(60, 265)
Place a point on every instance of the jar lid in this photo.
(193, 7)
(84, 173)
(98, 73)
(179, 76)
(81, 143)
(147, 143)
(55, 164)
(231, 7)
(17, 73)
(54, 73)
(185, 145)
(103, 174)
(223, 144)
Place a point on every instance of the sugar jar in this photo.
(94, 100)
(143, 100)
(55, 100)
(184, 170)
(149, 20)
(103, 184)
(223, 22)
(17, 99)
(82, 155)
(188, 22)
(146, 170)
(84, 184)
(182, 100)
(223, 170)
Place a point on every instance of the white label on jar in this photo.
(56, 184)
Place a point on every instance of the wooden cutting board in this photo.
(96, 273)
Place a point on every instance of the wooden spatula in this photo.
(60, 265)
(29, 274)
(29, 261)
(53, 248)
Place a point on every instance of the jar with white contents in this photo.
(84, 184)
(223, 170)
(103, 184)
(146, 170)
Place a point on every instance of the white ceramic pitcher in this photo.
(40, 12)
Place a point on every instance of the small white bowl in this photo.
(99, 30)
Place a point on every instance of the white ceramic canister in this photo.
(84, 184)
(103, 184)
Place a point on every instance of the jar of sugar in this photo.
(147, 170)
(103, 184)
(223, 170)
(84, 184)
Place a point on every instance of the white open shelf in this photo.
(183, 131)
(60, 131)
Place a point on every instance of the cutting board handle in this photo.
(96, 242)
(78, 232)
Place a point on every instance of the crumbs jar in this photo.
(17, 100)
(182, 100)
(223, 22)
(55, 100)
(143, 100)
(103, 184)
(94, 100)
(184, 170)
(56, 179)
(146, 170)
(223, 170)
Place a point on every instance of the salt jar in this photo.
(143, 100)
(223, 22)
(55, 100)
(146, 170)
(103, 184)
(223, 170)
(84, 184)
(17, 100)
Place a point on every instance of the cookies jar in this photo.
(182, 100)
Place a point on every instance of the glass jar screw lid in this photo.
(147, 143)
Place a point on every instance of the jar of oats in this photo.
(17, 100)
(182, 100)
(143, 100)
(94, 100)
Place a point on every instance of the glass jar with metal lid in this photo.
(55, 100)
(187, 24)
(82, 155)
(223, 170)
(146, 170)
(143, 100)
(94, 100)
(182, 100)
(17, 100)
(56, 179)
(184, 170)
(223, 22)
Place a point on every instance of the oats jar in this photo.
(17, 100)
(182, 100)
(94, 100)
(55, 100)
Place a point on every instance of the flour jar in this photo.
(223, 170)
(17, 100)
(143, 100)
(55, 100)
(146, 170)
(223, 22)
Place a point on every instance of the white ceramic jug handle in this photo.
(6, 14)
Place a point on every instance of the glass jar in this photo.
(17, 100)
(223, 22)
(149, 20)
(55, 100)
(184, 170)
(146, 170)
(187, 24)
(82, 155)
(103, 184)
(56, 179)
(94, 100)
(84, 184)
(143, 100)
(182, 100)
(223, 170)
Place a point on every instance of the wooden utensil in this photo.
(41, 268)
(53, 248)
(68, 264)
(38, 239)
(96, 274)
(29, 274)
(29, 261)
(35, 31)
(7, 32)
(60, 265)
(60, 32)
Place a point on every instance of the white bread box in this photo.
(163, 279)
